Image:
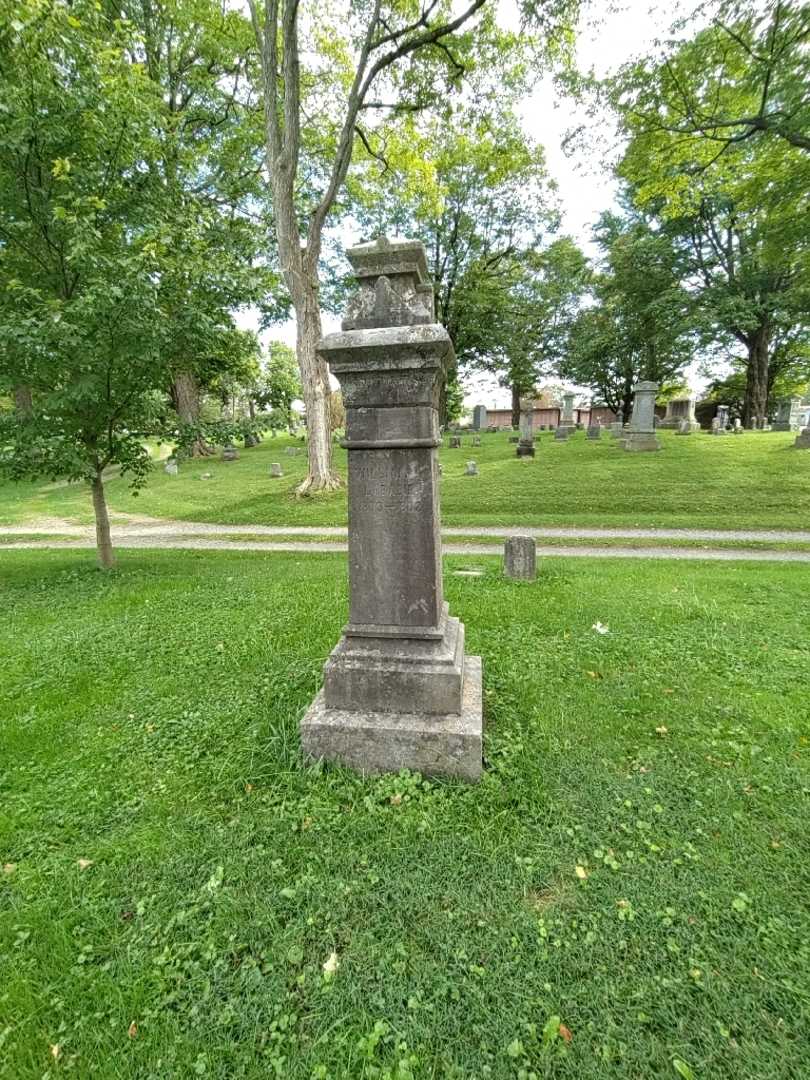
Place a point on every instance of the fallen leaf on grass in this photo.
(331, 965)
(132, 1030)
(395, 800)
(600, 628)
(581, 873)
(682, 1069)
(662, 730)
(56, 1050)
(9, 867)
(566, 1033)
(84, 864)
(595, 674)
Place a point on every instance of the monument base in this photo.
(446, 744)
(803, 440)
(784, 427)
(525, 450)
(637, 441)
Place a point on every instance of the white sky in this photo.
(612, 32)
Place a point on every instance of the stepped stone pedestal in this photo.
(641, 434)
(399, 691)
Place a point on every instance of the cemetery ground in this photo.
(751, 481)
(624, 895)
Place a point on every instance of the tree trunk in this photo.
(515, 405)
(185, 394)
(316, 389)
(23, 402)
(103, 539)
(756, 387)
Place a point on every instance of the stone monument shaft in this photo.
(398, 690)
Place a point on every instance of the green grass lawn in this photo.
(747, 481)
(172, 881)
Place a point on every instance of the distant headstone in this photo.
(171, 468)
(455, 442)
(472, 469)
(684, 427)
(476, 440)
(641, 434)
(292, 451)
(230, 453)
(595, 431)
(250, 441)
(206, 476)
(617, 427)
(514, 438)
(568, 419)
(479, 419)
(715, 428)
(275, 468)
(526, 441)
(678, 411)
(803, 439)
(561, 434)
(520, 558)
(737, 427)
(722, 416)
(787, 416)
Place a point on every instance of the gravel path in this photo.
(136, 529)
(192, 542)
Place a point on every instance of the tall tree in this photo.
(79, 223)
(388, 60)
(207, 160)
(642, 324)
(739, 205)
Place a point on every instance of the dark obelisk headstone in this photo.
(398, 689)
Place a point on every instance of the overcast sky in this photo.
(610, 34)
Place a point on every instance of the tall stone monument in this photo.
(525, 446)
(787, 417)
(641, 435)
(567, 419)
(398, 691)
(479, 420)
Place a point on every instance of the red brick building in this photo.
(550, 416)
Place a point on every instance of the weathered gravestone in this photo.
(617, 427)
(479, 420)
(520, 558)
(568, 411)
(594, 431)
(455, 442)
(398, 690)
(476, 440)
(472, 469)
(525, 447)
(787, 416)
(684, 428)
(737, 427)
(679, 411)
(641, 433)
(561, 434)
(275, 469)
(171, 467)
(229, 453)
(803, 439)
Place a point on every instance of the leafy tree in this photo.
(363, 75)
(742, 78)
(207, 160)
(737, 207)
(279, 384)
(527, 311)
(80, 345)
(642, 323)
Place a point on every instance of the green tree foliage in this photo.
(743, 78)
(642, 322)
(738, 202)
(279, 385)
